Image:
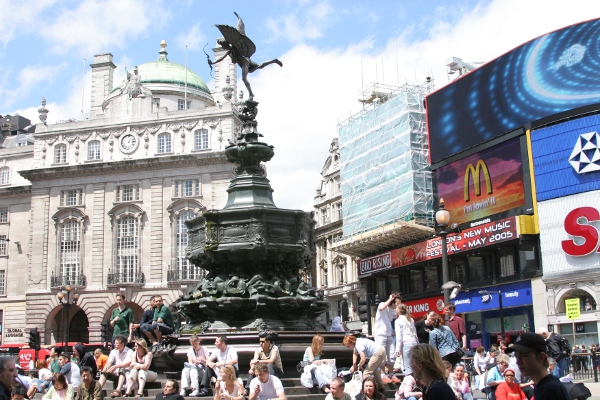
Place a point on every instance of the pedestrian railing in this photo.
(584, 366)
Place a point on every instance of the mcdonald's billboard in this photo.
(483, 184)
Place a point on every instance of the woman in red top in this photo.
(509, 389)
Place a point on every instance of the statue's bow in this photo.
(208, 60)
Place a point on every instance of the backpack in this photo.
(565, 347)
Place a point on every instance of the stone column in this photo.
(38, 233)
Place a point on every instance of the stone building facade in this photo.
(335, 273)
(100, 205)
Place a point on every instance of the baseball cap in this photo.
(528, 342)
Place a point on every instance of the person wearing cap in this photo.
(509, 389)
(530, 349)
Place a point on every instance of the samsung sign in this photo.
(513, 295)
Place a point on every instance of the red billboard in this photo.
(484, 183)
(419, 308)
(469, 239)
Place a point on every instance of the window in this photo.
(476, 269)
(22, 140)
(457, 272)
(201, 139)
(127, 248)
(70, 251)
(431, 278)
(4, 176)
(60, 153)
(128, 193)
(2, 286)
(416, 281)
(181, 103)
(325, 277)
(156, 102)
(94, 150)
(3, 215)
(507, 261)
(187, 188)
(164, 143)
(186, 269)
(324, 218)
(339, 213)
(3, 243)
(72, 197)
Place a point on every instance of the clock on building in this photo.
(128, 143)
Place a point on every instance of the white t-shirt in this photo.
(367, 346)
(224, 356)
(268, 390)
(193, 354)
(116, 358)
(74, 376)
(383, 321)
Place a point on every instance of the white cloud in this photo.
(21, 16)
(97, 25)
(30, 78)
(194, 39)
(310, 25)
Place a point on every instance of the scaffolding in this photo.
(384, 153)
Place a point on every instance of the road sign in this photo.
(573, 308)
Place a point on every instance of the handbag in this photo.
(301, 365)
(460, 352)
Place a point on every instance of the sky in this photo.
(331, 50)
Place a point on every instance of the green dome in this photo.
(165, 71)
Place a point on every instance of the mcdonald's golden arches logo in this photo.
(475, 171)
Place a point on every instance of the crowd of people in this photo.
(428, 352)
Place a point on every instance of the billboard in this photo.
(513, 295)
(484, 183)
(570, 234)
(421, 307)
(469, 239)
(566, 158)
(553, 73)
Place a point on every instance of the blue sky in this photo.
(321, 43)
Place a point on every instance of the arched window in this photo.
(4, 176)
(94, 150)
(127, 248)
(164, 143)
(60, 153)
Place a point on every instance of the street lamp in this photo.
(499, 293)
(67, 299)
(442, 217)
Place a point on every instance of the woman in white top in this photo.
(479, 362)
(195, 365)
(139, 372)
(228, 388)
(406, 336)
(60, 389)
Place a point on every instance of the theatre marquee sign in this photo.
(479, 236)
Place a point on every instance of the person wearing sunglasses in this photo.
(509, 389)
(268, 354)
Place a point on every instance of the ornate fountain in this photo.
(252, 250)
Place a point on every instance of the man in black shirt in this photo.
(170, 392)
(424, 326)
(530, 349)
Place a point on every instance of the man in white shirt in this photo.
(223, 355)
(118, 363)
(383, 330)
(70, 370)
(265, 386)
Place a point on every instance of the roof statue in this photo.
(240, 48)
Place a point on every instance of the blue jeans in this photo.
(41, 384)
(561, 368)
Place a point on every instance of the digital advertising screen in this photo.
(556, 72)
(484, 183)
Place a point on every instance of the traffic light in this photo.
(104, 331)
(34, 339)
(363, 309)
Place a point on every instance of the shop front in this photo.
(485, 309)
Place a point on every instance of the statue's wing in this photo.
(241, 42)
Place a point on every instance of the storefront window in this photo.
(458, 271)
(431, 278)
(416, 280)
(476, 269)
(394, 284)
(507, 261)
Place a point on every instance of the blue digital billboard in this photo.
(566, 158)
(557, 72)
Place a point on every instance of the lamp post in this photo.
(442, 218)
(499, 293)
(67, 299)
